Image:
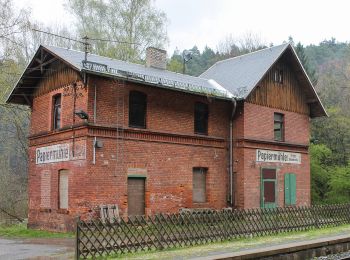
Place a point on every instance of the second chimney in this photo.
(155, 58)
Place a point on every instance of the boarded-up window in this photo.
(63, 189)
(199, 185)
(201, 118)
(45, 189)
(289, 189)
(137, 109)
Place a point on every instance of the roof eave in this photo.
(17, 85)
(289, 46)
(154, 85)
(324, 112)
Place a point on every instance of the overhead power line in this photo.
(60, 36)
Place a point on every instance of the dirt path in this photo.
(36, 248)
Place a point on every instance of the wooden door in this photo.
(268, 188)
(136, 196)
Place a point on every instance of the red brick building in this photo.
(105, 131)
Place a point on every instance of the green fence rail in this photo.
(97, 238)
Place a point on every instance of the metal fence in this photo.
(98, 238)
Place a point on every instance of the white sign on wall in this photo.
(277, 156)
(53, 153)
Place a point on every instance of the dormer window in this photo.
(56, 109)
(278, 76)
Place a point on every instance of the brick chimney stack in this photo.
(155, 58)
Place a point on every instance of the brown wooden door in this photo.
(136, 196)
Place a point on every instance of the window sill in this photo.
(202, 134)
(137, 127)
(200, 203)
(63, 211)
(45, 210)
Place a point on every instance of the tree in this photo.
(320, 156)
(232, 46)
(134, 25)
(299, 48)
(175, 63)
(335, 133)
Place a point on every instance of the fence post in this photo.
(77, 239)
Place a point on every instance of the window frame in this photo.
(281, 123)
(56, 126)
(132, 95)
(205, 114)
(263, 203)
(278, 76)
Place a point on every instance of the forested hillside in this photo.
(327, 63)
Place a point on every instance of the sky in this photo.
(207, 22)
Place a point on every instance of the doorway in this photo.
(136, 197)
(268, 188)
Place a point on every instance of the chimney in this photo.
(155, 58)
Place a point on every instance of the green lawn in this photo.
(21, 231)
(237, 245)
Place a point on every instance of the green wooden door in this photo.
(268, 188)
(289, 189)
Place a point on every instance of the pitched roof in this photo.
(139, 72)
(235, 77)
(240, 75)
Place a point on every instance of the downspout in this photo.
(234, 106)
(95, 139)
(73, 124)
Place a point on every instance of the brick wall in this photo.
(258, 125)
(165, 152)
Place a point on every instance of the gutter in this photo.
(234, 106)
(129, 79)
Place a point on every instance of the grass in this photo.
(21, 231)
(237, 244)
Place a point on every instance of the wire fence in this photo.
(97, 238)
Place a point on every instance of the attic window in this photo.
(278, 76)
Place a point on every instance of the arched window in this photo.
(137, 109)
(56, 111)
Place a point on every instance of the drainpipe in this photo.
(95, 139)
(234, 106)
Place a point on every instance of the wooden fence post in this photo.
(77, 239)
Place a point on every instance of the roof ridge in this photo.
(128, 62)
(254, 52)
(246, 54)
